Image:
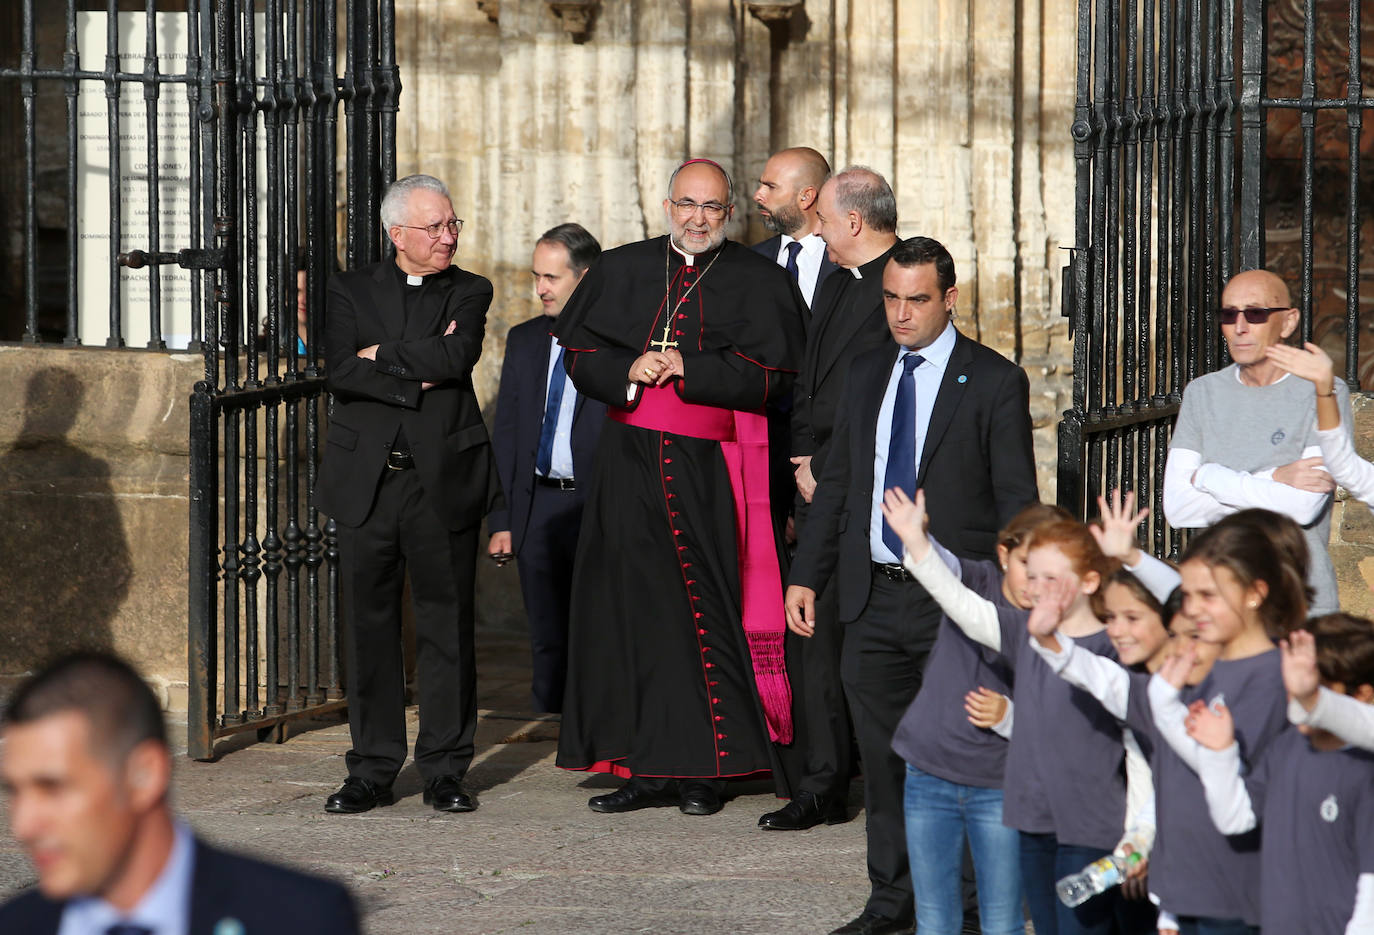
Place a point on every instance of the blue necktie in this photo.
(901, 448)
(551, 408)
(791, 265)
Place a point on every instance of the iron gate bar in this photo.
(1254, 45)
(1354, 120)
(1309, 145)
(29, 91)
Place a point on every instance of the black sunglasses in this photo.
(1255, 316)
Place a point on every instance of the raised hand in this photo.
(907, 518)
(1050, 604)
(1116, 533)
(1211, 726)
(985, 707)
(1298, 660)
(1309, 362)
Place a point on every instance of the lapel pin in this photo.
(963, 378)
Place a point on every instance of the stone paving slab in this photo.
(533, 857)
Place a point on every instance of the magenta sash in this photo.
(743, 438)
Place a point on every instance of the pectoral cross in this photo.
(667, 341)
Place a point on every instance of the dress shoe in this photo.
(358, 795)
(870, 923)
(805, 811)
(628, 798)
(446, 794)
(698, 798)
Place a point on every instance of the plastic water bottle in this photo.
(1098, 877)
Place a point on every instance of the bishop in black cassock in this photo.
(675, 637)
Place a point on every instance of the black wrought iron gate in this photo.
(263, 609)
(1189, 169)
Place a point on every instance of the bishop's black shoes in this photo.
(698, 798)
(358, 795)
(805, 811)
(870, 923)
(446, 794)
(630, 797)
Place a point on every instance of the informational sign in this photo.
(96, 261)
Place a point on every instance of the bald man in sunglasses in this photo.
(1246, 435)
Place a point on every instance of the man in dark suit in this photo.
(544, 436)
(932, 410)
(857, 217)
(789, 190)
(406, 477)
(87, 770)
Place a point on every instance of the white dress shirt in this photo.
(928, 376)
(808, 262)
(561, 464)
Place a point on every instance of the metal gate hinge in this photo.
(186, 259)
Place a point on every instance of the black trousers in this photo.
(403, 532)
(547, 550)
(828, 738)
(884, 656)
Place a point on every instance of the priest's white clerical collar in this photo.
(413, 280)
(690, 259)
(858, 274)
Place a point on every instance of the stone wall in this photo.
(964, 105)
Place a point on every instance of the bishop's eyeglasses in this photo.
(687, 207)
(438, 228)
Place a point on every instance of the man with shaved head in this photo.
(676, 678)
(1246, 435)
(789, 190)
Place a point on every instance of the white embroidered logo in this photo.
(1330, 811)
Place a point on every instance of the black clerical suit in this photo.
(226, 888)
(663, 679)
(393, 518)
(847, 319)
(977, 468)
(542, 516)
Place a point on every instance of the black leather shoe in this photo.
(805, 811)
(870, 923)
(446, 794)
(698, 798)
(629, 798)
(358, 795)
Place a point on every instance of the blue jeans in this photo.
(938, 816)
